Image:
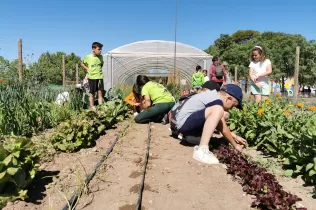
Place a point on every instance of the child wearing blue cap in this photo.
(203, 113)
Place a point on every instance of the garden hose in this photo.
(141, 187)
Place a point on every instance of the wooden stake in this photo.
(20, 61)
(296, 72)
(77, 74)
(64, 71)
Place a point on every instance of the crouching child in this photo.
(203, 113)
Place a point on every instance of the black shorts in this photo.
(95, 85)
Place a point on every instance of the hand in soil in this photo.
(239, 147)
(242, 141)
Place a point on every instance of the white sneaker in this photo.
(204, 155)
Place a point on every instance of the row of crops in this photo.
(282, 130)
(24, 112)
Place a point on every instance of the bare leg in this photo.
(213, 115)
(100, 99)
(258, 98)
(263, 98)
(91, 100)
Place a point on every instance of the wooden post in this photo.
(296, 72)
(77, 74)
(20, 61)
(64, 71)
(236, 69)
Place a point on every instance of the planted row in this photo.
(82, 131)
(283, 130)
(257, 181)
(24, 111)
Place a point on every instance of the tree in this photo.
(280, 47)
(48, 68)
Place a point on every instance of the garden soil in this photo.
(174, 180)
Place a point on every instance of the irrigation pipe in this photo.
(141, 187)
(77, 193)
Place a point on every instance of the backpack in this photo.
(175, 109)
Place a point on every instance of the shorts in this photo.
(265, 90)
(95, 85)
(194, 124)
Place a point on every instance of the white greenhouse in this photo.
(154, 57)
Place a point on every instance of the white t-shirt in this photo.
(206, 78)
(259, 68)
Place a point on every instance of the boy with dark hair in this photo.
(203, 113)
(197, 79)
(93, 63)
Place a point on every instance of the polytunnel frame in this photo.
(168, 63)
(128, 60)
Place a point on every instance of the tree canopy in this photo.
(235, 49)
(47, 69)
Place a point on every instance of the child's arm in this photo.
(223, 128)
(85, 67)
(146, 103)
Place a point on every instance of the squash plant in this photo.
(18, 165)
(82, 131)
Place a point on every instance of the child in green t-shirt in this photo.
(93, 63)
(197, 79)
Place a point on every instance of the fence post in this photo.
(296, 72)
(20, 61)
(64, 71)
(77, 74)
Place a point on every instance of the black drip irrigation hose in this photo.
(89, 177)
(141, 187)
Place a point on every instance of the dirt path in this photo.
(173, 179)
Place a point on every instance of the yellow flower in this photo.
(268, 100)
(244, 109)
(260, 111)
(312, 108)
(300, 105)
(287, 113)
(280, 97)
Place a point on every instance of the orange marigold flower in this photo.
(300, 105)
(278, 95)
(287, 112)
(312, 108)
(260, 111)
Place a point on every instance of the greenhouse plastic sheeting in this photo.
(123, 64)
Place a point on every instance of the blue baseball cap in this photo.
(235, 91)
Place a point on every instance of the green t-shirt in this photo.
(94, 63)
(197, 79)
(157, 93)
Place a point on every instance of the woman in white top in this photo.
(259, 69)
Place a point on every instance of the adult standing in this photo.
(217, 72)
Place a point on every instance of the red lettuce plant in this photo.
(257, 181)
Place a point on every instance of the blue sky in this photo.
(71, 26)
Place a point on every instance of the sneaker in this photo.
(204, 155)
(165, 119)
(180, 136)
